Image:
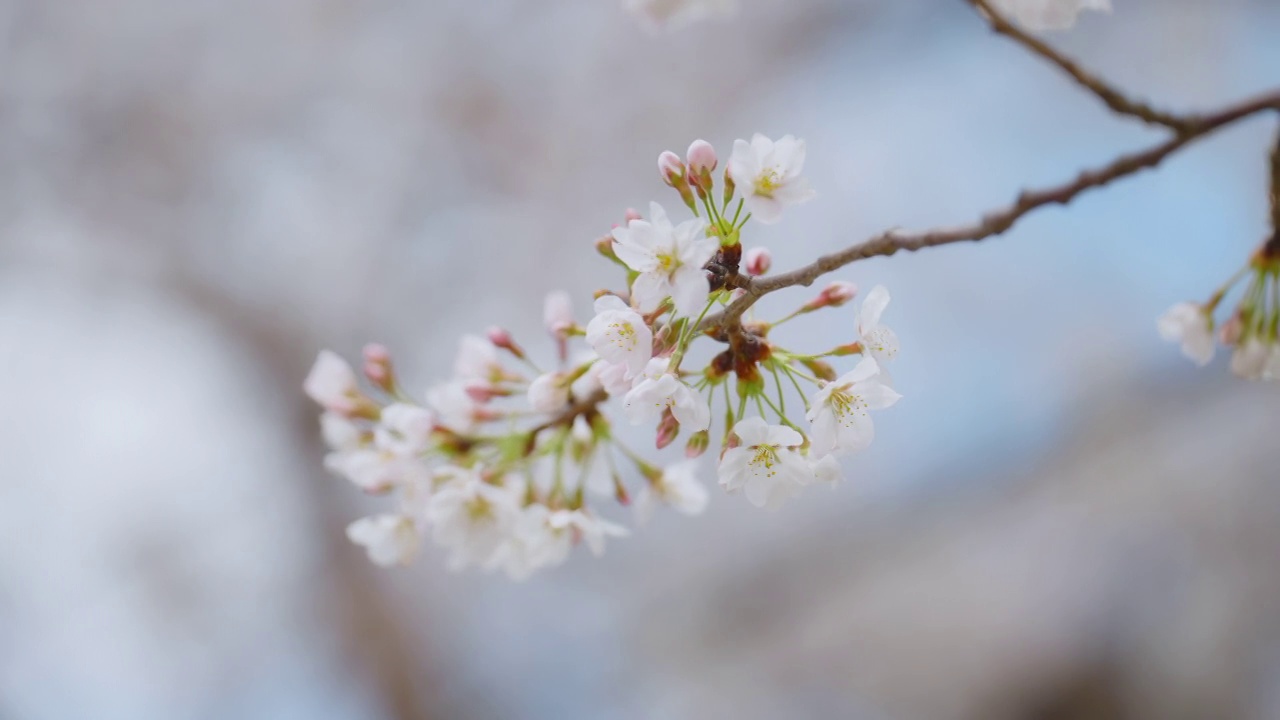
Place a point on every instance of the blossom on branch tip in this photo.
(766, 463)
(840, 411)
(1041, 15)
(669, 259)
(619, 334)
(768, 175)
(1192, 326)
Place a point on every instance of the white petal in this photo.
(873, 307)
(649, 290)
(690, 290)
(752, 431)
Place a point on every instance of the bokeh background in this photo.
(1062, 519)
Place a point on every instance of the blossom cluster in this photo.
(1250, 330)
(506, 464)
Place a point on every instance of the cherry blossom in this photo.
(840, 411)
(768, 175)
(766, 463)
(878, 340)
(669, 259)
(1249, 361)
(388, 539)
(549, 392)
(619, 334)
(677, 487)
(332, 383)
(661, 390)
(1192, 326)
(404, 430)
(1039, 15)
(472, 518)
(591, 529)
(455, 408)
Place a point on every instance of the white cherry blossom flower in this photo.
(472, 518)
(549, 392)
(674, 14)
(767, 173)
(619, 334)
(840, 411)
(766, 463)
(591, 529)
(878, 340)
(1040, 15)
(478, 361)
(661, 390)
(669, 260)
(614, 378)
(404, 430)
(677, 487)
(332, 383)
(376, 470)
(388, 539)
(533, 545)
(1190, 325)
(455, 409)
(1249, 361)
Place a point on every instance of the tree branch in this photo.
(1110, 96)
(993, 223)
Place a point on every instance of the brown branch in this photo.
(994, 223)
(1110, 96)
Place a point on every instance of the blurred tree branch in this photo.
(1184, 129)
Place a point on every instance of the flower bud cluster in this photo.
(1251, 330)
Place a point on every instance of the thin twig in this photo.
(994, 223)
(1111, 96)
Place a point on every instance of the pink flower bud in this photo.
(503, 340)
(833, 295)
(671, 167)
(668, 429)
(632, 214)
(839, 293)
(697, 444)
(377, 366)
(1232, 330)
(702, 157)
(758, 260)
(375, 352)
